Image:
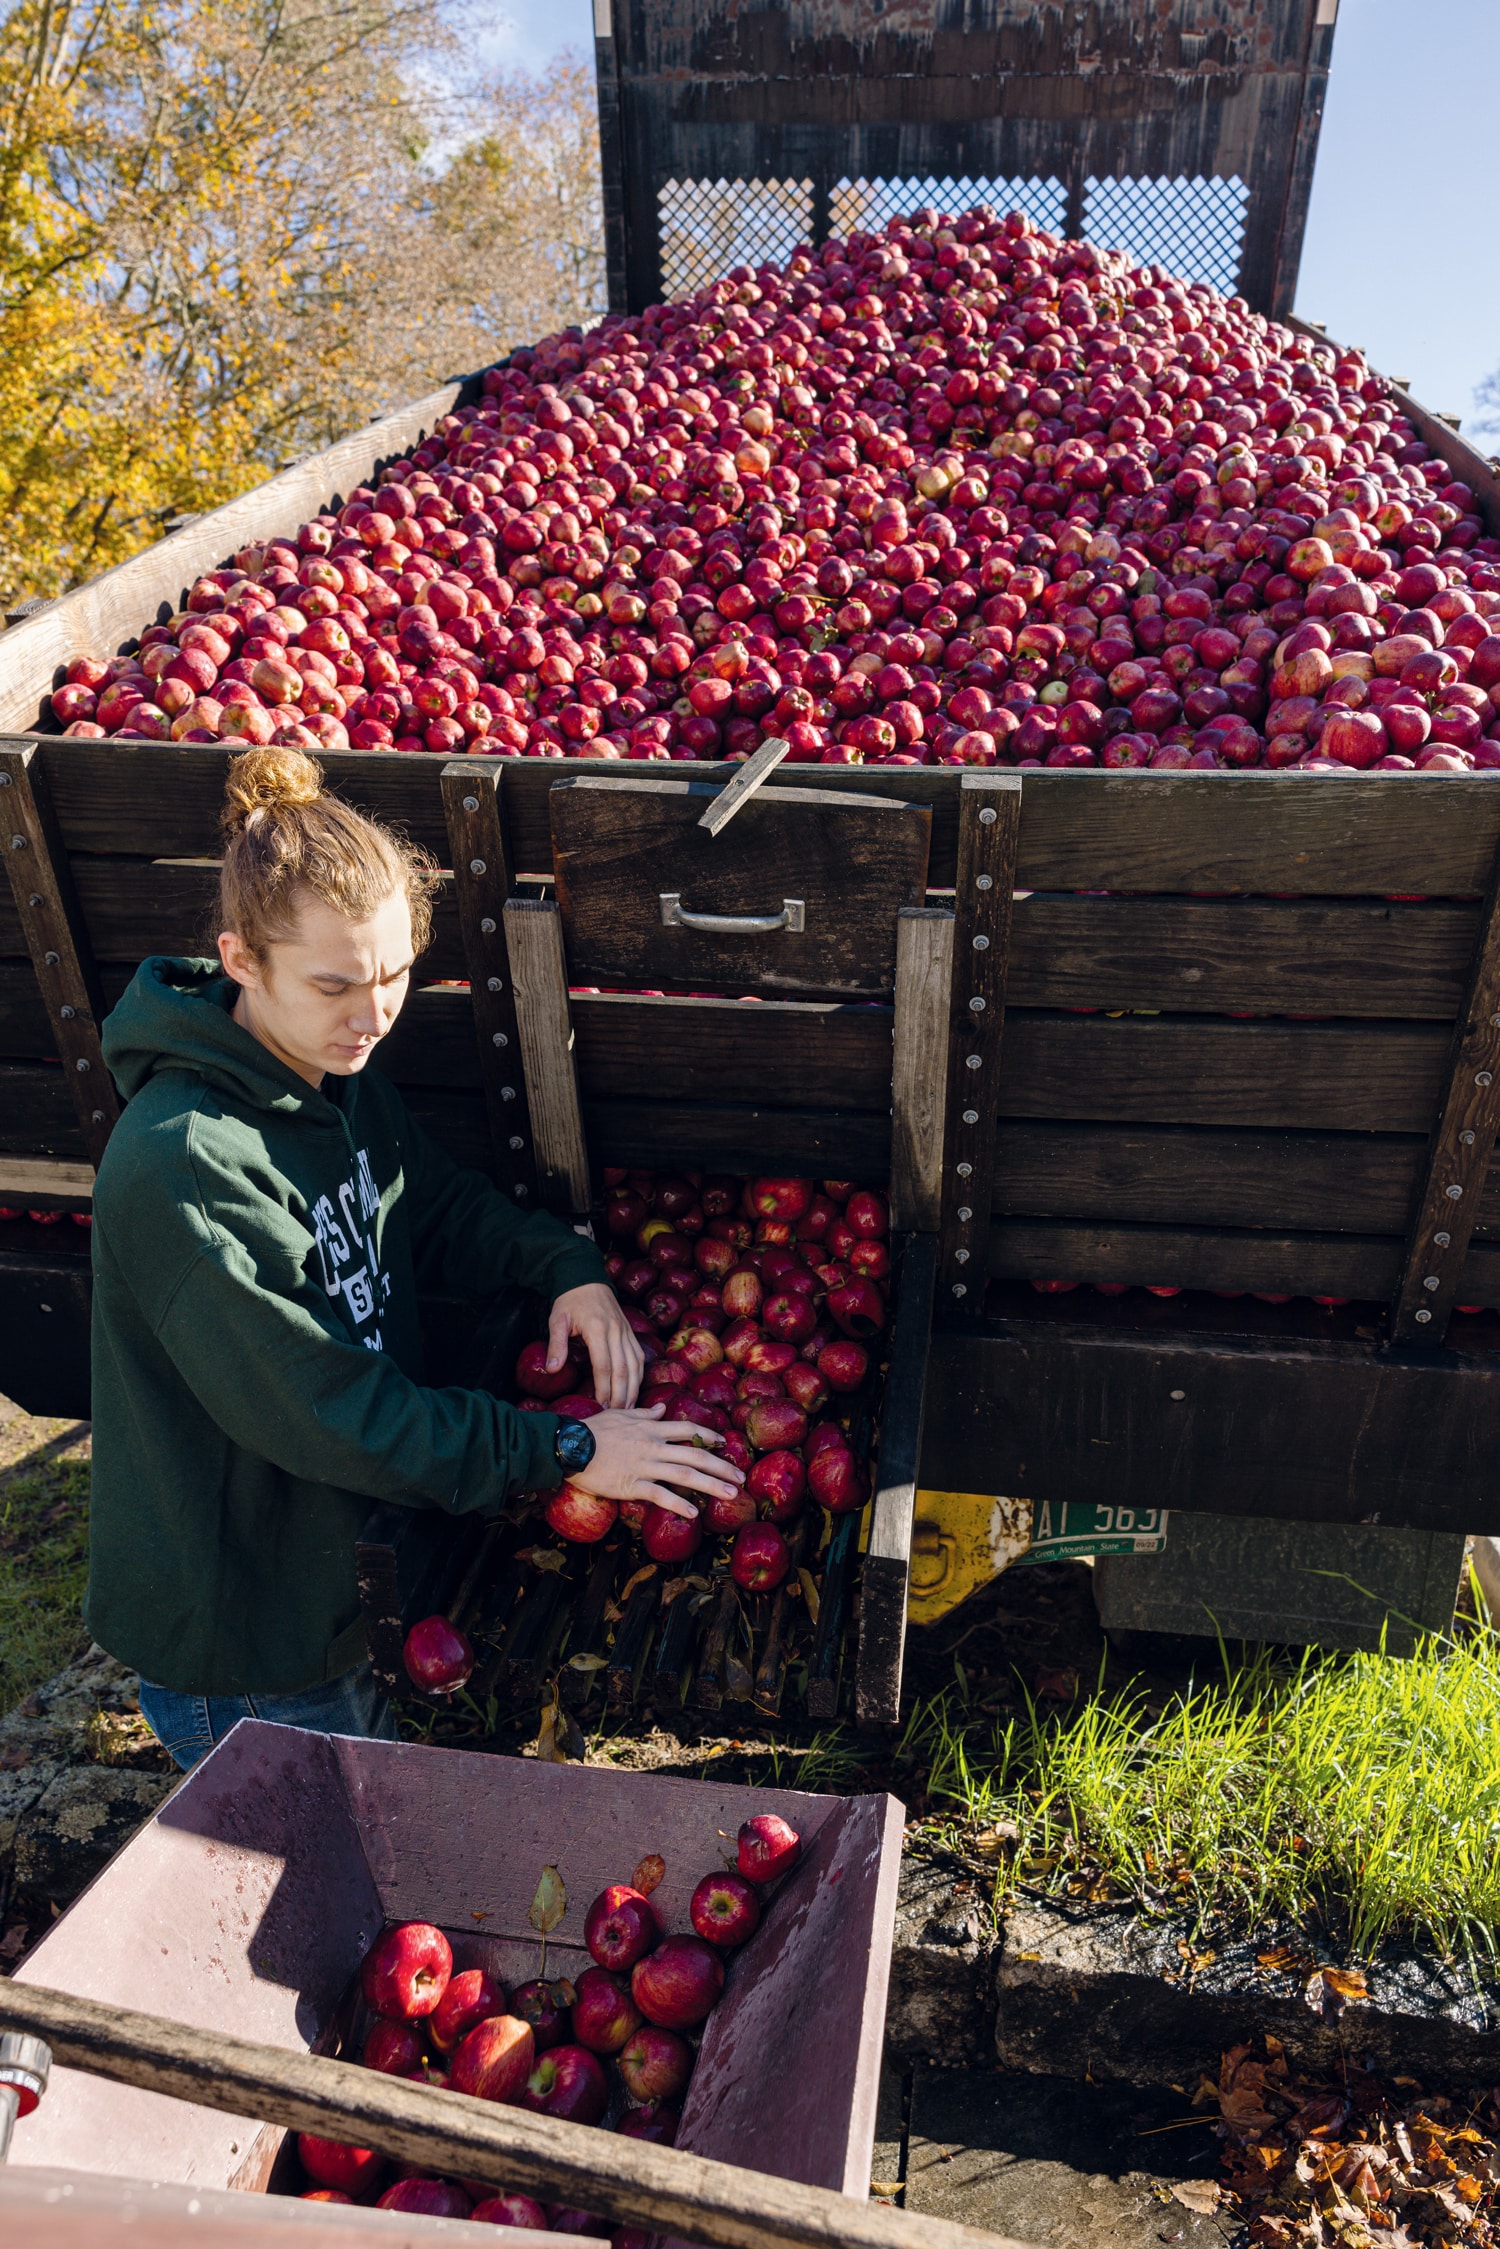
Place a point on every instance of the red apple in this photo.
(741, 1292)
(677, 1986)
(857, 1308)
(655, 2123)
(724, 1910)
(438, 1657)
(836, 1480)
(777, 1483)
(494, 2060)
(580, 1516)
(426, 2198)
(568, 2081)
(782, 1199)
(759, 1558)
(789, 1318)
(536, 2003)
(392, 2048)
(656, 2064)
(604, 2014)
(722, 1516)
(564, 2219)
(868, 1213)
(806, 1386)
(669, 1537)
(620, 1927)
(770, 1358)
(775, 1425)
(843, 1366)
(768, 1848)
(353, 2170)
(510, 2210)
(538, 1381)
(326, 2194)
(405, 1972)
(471, 1995)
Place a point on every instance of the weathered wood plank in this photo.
(1215, 1422)
(767, 1053)
(823, 1141)
(887, 1565)
(37, 1115)
(481, 883)
(1260, 956)
(1463, 1139)
(990, 820)
(847, 865)
(919, 1068)
(1349, 1077)
(62, 961)
(534, 939)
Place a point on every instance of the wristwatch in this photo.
(573, 1445)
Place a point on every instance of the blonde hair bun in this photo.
(265, 780)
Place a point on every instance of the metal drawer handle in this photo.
(674, 914)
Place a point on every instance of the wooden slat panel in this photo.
(767, 1053)
(919, 1071)
(159, 800)
(851, 862)
(1251, 833)
(102, 617)
(1360, 1267)
(1260, 956)
(1335, 1077)
(534, 941)
(1219, 1423)
(1169, 1175)
(887, 1570)
(821, 1141)
(481, 885)
(37, 1117)
(1463, 1139)
(135, 907)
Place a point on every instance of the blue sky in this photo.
(1403, 247)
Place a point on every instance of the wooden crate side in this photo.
(247, 1899)
(1216, 1423)
(110, 612)
(772, 1053)
(827, 1143)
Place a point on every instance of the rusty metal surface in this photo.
(916, 89)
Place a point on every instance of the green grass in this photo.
(1361, 1790)
(44, 1538)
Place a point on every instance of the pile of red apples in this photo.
(619, 2044)
(754, 1302)
(954, 493)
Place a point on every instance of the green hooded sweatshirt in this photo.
(257, 1368)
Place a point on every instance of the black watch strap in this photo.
(573, 1445)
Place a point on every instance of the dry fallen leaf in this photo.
(809, 1592)
(550, 1903)
(1201, 2195)
(637, 1577)
(648, 1874)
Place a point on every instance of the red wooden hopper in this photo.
(248, 1902)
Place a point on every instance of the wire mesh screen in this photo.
(870, 203)
(708, 226)
(1195, 228)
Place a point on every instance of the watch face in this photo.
(575, 1445)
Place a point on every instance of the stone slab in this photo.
(1061, 2164)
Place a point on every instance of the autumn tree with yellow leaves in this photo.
(233, 230)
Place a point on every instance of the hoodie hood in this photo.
(175, 1015)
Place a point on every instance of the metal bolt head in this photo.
(1178, 1396)
(1484, 1077)
(507, 1093)
(960, 1257)
(67, 1013)
(1432, 1281)
(498, 1038)
(987, 882)
(973, 1061)
(971, 1116)
(989, 816)
(960, 1288)
(488, 926)
(1424, 1315)
(981, 944)
(976, 1005)
(964, 1214)
(965, 1171)
(1467, 1138)
(53, 960)
(98, 1116)
(471, 804)
(1442, 1240)
(517, 1144)
(81, 1063)
(493, 984)
(1455, 1194)
(476, 866)
(18, 843)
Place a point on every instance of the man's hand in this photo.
(637, 1454)
(594, 1316)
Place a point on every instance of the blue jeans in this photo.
(187, 1726)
